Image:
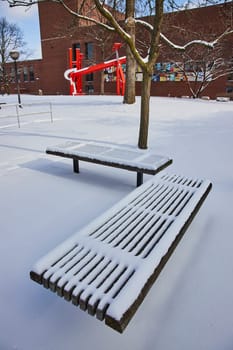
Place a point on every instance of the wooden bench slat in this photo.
(108, 267)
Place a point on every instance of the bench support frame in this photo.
(76, 165)
(139, 178)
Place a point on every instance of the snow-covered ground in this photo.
(43, 202)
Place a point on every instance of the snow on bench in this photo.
(108, 267)
(133, 159)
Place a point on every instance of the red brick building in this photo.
(61, 31)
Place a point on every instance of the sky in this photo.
(28, 21)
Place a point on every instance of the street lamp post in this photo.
(15, 55)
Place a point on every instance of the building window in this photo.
(74, 47)
(25, 74)
(19, 71)
(90, 77)
(12, 74)
(89, 51)
(89, 89)
(31, 74)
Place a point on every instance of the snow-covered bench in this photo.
(140, 161)
(222, 98)
(108, 267)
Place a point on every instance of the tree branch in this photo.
(209, 44)
(123, 34)
(86, 18)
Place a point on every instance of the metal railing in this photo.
(19, 111)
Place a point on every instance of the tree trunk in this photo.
(102, 78)
(145, 106)
(129, 96)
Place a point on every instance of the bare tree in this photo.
(147, 61)
(200, 65)
(11, 38)
(203, 66)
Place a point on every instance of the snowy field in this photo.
(190, 307)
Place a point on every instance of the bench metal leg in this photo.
(139, 179)
(76, 165)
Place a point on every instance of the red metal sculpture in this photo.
(75, 72)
